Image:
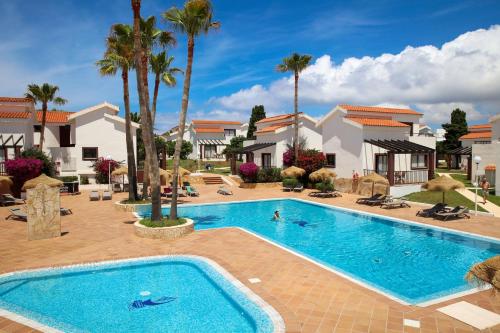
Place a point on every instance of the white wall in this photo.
(495, 130)
(489, 153)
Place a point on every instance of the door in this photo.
(381, 163)
(266, 160)
(64, 136)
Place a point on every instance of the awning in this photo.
(256, 146)
(461, 151)
(400, 146)
(211, 142)
(12, 140)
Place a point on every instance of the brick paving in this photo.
(309, 298)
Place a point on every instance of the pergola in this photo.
(403, 147)
(463, 151)
(249, 150)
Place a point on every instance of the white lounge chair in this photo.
(94, 196)
(106, 195)
(17, 213)
(224, 191)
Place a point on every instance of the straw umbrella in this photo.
(322, 175)
(121, 171)
(182, 173)
(6, 180)
(167, 174)
(374, 178)
(486, 272)
(442, 184)
(42, 179)
(293, 172)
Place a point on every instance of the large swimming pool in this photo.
(162, 294)
(411, 262)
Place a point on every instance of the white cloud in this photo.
(463, 72)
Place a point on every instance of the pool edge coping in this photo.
(270, 311)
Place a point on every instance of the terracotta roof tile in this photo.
(215, 122)
(209, 130)
(54, 116)
(273, 127)
(360, 108)
(14, 115)
(275, 118)
(480, 126)
(15, 99)
(379, 122)
(476, 135)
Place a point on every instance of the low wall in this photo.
(347, 185)
(261, 185)
(124, 207)
(166, 233)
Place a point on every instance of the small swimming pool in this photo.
(159, 294)
(408, 261)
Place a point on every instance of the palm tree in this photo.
(119, 55)
(140, 60)
(44, 94)
(296, 63)
(160, 66)
(195, 18)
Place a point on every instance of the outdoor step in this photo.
(213, 180)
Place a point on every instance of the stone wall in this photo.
(347, 185)
(43, 209)
(166, 233)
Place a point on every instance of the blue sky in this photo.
(360, 52)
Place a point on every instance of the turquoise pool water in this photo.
(411, 262)
(174, 294)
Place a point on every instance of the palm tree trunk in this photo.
(42, 127)
(132, 175)
(182, 125)
(155, 97)
(296, 120)
(146, 121)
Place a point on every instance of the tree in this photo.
(119, 55)
(193, 19)
(296, 63)
(22, 169)
(44, 94)
(140, 61)
(48, 165)
(454, 130)
(258, 113)
(186, 149)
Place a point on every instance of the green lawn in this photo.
(453, 199)
(445, 170)
(192, 165)
(461, 177)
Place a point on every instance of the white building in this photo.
(367, 139)
(274, 134)
(74, 140)
(209, 137)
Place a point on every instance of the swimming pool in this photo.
(158, 294)
(410, 262)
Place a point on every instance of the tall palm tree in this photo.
(193, 19)
(151, 38)
(295, 63)
(161, 68)
(119, 55)
(140, 60)
(46, 93)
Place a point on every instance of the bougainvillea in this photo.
(249, 171)
(22, 169)
(288, 157)
(311, 160)
(102, 168)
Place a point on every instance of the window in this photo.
(266, 160)
(210, 151)
(64, 136)
(37, 128)
(411, 126)
(89, 153)
(331, 160)
(482, 142)
(229, 132)
(381, 164)
(419, 161)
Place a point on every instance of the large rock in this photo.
(43, 210)
(344, 185)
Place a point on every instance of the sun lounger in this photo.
(319, 194)
(191, 191)
(94, 196)
(117, 187)
(364, 200)
(65, 211)
(17, 213)
(457, 212)
(395, 203)
(298, 188)
(378, 201)
(106, 195)
(429, 212)
(9, 199)
(224, 191)
(287, 189)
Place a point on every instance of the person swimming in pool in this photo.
(276, 216)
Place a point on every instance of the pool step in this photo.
(213, 180)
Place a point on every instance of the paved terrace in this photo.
(309, 298)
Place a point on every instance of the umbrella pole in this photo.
(443, 196)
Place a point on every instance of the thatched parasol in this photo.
(374, 178)
(42, 179)
(442, 184)
(293, 172)
(6, 180)
(322, 175)
(121, 171)
(486, 272)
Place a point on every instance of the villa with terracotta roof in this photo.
(209, 137)
(274, 134)
(74, 140)
(365, 139)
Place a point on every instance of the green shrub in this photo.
(165, 222)
(48, 166)
(269, 175)
(68, 179)
(290, 182)
(325, 186)
(84, 180)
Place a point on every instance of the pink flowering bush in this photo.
(22, 169)
(288, 157)
(249, 171)
(102, 168)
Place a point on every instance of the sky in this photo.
(432, 56)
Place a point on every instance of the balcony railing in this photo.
(404, 177)
(2, 169)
